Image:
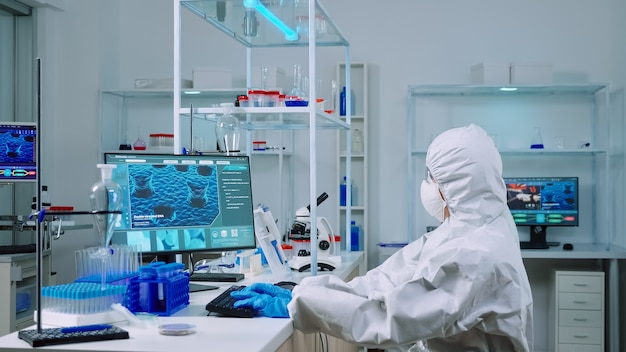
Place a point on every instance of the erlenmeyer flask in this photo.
(537, 141)
(227, 130)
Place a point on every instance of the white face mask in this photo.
(431, 199)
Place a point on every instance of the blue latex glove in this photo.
(270, 300)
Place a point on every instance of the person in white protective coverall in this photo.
(462, 287)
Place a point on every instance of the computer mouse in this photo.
(289, 285)
(568, 246)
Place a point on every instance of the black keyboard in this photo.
(216, 277)
(223, 305)
(533, 245)
(18, 248)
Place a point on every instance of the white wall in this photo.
(94, 45)
(79, 50)
(618, 68)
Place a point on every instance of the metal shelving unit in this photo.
(281, 24)
(509, 113)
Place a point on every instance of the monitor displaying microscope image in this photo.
(18, 157)
(184, 203)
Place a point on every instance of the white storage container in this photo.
(212, 78)
(160, 83)
(537, 73)
(490, 73)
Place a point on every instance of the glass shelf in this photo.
(286, 118)
(476, 90)
(257, 23)
(229, 94)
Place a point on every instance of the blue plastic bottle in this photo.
(354, 236)
(343, 192)
(342, 102)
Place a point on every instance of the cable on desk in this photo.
(323, 341)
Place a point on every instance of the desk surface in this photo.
(580, 251)
(211, 333)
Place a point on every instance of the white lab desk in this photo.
(211, 333)
(607, 259)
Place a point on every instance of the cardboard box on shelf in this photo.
(212, 78)
(531, 73)
(490, 73)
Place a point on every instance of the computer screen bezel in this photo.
(181, 248)
(31, 167)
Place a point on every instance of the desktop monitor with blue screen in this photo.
(18, 157)
(540, 202)
(184, 203)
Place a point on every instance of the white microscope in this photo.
(301, 229)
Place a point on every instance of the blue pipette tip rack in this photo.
(56, 336)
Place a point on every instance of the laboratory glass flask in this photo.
(227, 130)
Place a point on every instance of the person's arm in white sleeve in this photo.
(418, 309)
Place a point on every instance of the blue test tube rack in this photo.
(160, 288)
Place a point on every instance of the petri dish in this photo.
(176, 329)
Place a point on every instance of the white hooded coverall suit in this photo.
(462, 287)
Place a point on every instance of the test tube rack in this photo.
(161, 289)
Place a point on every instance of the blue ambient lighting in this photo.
(508, 89)
(290, 34)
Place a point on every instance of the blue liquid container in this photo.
(343, 192)
(342, 102)
(355, 234)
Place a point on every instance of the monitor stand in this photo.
(538, 239)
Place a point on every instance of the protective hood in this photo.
(462, 287)
(468, 170)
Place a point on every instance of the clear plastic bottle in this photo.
(227, 130)
(357, 141)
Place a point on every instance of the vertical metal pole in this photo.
(177, 139)
(348, 152)
(411, 183)
(312, 138)
(39, 248)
